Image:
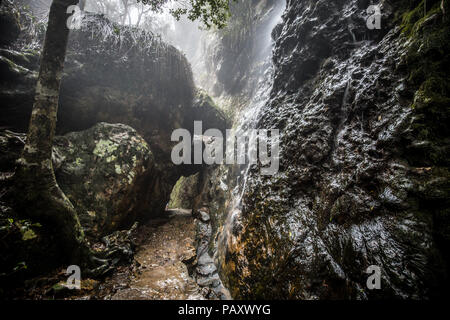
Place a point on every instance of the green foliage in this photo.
(184, 192)
(427, 59)
(209, 12)
(9, 225)
(21, 265)
(414, 19)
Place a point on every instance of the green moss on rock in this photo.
(184, 192)
(99, 171)
(427, 60)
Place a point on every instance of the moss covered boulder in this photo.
(98, 170)
(108, 173)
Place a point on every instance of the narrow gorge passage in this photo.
(305, 140)
(165, 249)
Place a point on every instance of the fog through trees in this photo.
(185, 35)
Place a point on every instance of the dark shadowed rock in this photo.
(9, 23)
(206, 110)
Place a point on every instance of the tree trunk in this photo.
(40, 195)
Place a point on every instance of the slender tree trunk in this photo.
(40, 195)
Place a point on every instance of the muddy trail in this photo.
(165, 267)
(164, 254)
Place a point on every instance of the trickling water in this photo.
(352, 34)
(247, 121)
(248, 118)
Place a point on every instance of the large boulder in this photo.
(107, 172)
(112, 73)
(121, 74)
(99, 170)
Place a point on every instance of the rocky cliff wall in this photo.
(363, 174)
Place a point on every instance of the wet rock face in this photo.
(313, 32)
(347, 195)
(206, 272)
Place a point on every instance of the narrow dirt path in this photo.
(164, 243)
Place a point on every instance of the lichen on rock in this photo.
(184, 192)
(98, 170)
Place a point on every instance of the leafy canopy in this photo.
(209, 12)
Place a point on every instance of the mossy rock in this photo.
(98, 170)
(184, 192)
